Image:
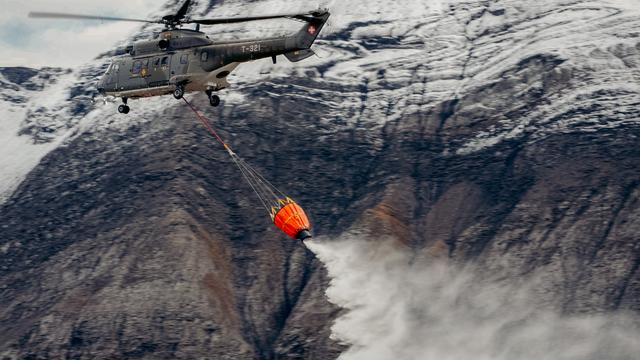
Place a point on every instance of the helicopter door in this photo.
(159, 71)
(180, 64)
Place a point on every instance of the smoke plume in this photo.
(399, 307)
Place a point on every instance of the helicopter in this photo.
(180, 60)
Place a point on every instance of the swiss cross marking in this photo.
(312, 30)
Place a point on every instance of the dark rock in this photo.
(18, 75)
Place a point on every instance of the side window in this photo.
(137, 66)
(184, 59)
(204, 57)
(145, 68)
(156, 62)
(165, 61)
(116, 68)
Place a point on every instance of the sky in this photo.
(65, 43)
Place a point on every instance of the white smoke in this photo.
(398, 307)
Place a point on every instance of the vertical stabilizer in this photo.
(308, 34)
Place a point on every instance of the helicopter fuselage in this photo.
(190, 61)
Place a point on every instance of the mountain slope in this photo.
(493, 132)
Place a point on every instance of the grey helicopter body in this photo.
(180, 60)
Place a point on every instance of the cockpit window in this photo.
(165, 61)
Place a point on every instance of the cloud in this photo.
(401, 307)
(61, 43)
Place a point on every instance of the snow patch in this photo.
(20, 153)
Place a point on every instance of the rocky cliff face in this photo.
(493, 132)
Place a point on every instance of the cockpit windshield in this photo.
(113, 68)
(109, 69)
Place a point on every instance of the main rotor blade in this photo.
(242, 19)
(49, 15)
(183, 10)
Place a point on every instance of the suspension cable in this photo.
(269, 195)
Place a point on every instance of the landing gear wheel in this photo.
(178, 93)
(123, 109)
(214, 100)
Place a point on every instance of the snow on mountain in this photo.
(405, 58)
(414, 57)
(30, 125)
(43, 109)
